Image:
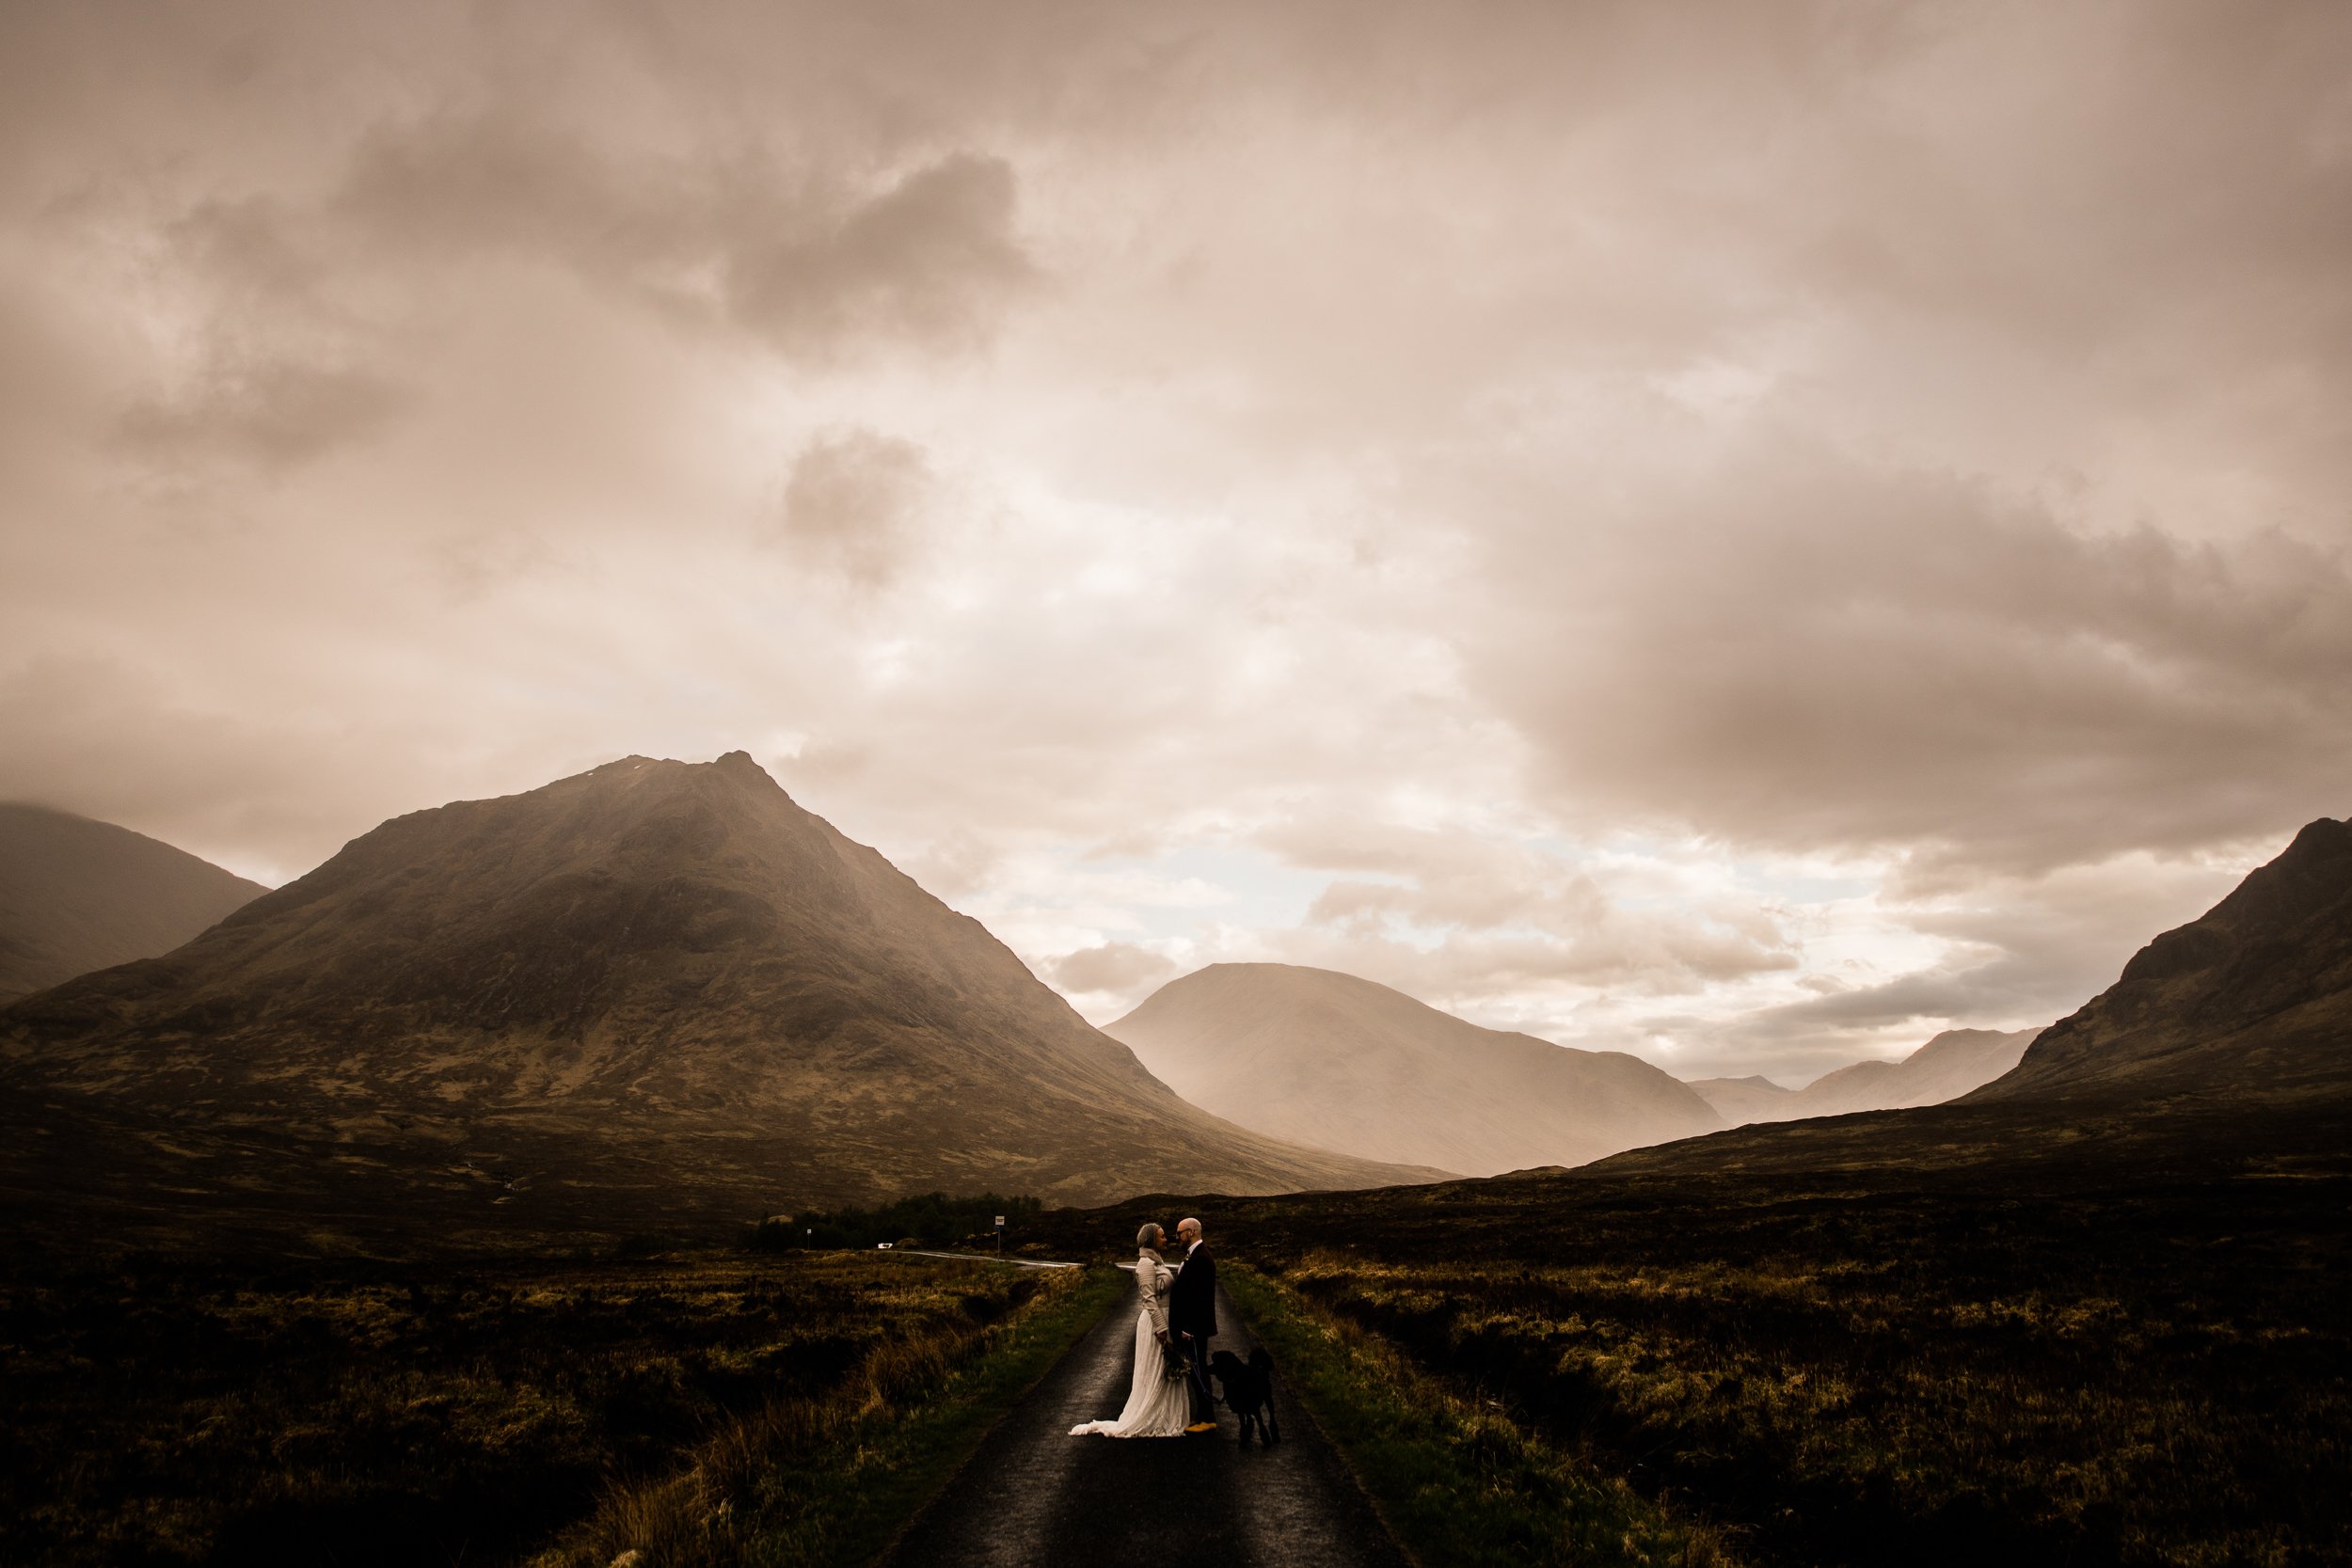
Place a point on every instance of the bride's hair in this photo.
(1148, 1236)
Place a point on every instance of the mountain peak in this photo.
(2256, 992)
(2307, 879)
(647, 951)
(1338, 1061)
(2321, 836)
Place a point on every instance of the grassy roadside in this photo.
(817, 1483)
(1462, 1486)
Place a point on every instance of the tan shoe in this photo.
(1202, 1426)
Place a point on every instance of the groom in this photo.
(1192, 1318)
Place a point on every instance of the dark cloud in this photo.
(816, 262)
(272, 415)
(854, 504)
(47, 387)
(932, 259)
(1792, 649)
(1115, 967)
(455, 184)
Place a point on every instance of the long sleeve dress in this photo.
(1157, 1404)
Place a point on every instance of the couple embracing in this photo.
(1169, 1396)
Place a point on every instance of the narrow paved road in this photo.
(1034, 1496)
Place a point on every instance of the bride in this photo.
(1157, 1404)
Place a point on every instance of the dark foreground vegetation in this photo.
(929, 1219)
(1461, 1483)
(2146, 1360)
(703, 1410)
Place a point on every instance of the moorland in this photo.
(2105, 1350)
(2096, 1311)
(175, 1410)
(322, 1229)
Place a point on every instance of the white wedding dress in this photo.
(1157, 1404)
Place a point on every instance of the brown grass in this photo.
(2147, 1363)
(547, 1412)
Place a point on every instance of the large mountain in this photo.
(655, 987)
(1945, 1068)
(1340, 1061)
(77, 896)
(2253, 998)
(2227, 1040)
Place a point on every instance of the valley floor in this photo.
(2130, 1363)
(170, 1411)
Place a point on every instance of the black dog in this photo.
(1247, 1391)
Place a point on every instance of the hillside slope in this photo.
(77, 896)
(2253, 997)
(1338, 1062)
(655, 978)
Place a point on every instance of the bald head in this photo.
(1187, 1231)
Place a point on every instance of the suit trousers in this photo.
(1196, 1352)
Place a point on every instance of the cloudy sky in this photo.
(1748, 533)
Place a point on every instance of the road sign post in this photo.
(1000, 1235)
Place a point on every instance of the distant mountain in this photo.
(654, 988)
(77, 896)
(1338, 1062)
(2253, 998)
(1945, 1068)
(1740, 1101)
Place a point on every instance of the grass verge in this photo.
(1462, 1485)
(820, 1483)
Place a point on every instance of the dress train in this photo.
(1158, 1406)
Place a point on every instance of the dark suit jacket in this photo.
(1192, 1300)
